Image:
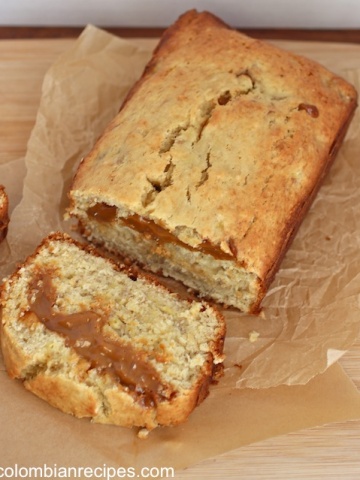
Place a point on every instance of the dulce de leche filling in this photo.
(107, 213)
(83, 331)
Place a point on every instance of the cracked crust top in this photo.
(224, 138)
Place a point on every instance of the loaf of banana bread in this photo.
(213, 160)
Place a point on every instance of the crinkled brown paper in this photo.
(311, 314)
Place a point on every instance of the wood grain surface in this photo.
(322, 35)
(328, 452)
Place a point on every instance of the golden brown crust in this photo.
(300, 212)
(4, 213)
(246, 131)
(167, 43)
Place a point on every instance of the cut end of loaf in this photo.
(208, 271)
(99, 341)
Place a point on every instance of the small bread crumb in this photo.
(143, 433)
(253, 336)
(262, 315)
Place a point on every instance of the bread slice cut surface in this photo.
(100, 341)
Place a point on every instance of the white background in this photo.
(240, 13)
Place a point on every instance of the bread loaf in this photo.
(4, 213)
(99, 341)
(213, 160)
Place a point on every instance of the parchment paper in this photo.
(34, 434)
(311, 313)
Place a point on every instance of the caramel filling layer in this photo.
(107, 213)
(83, 331)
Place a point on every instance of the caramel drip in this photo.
(107, 213)
(311, 110)
(102, 212)
(162, 236)
(83, 331)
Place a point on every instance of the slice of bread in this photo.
(212, 162)
(98, 340)
(4, 213)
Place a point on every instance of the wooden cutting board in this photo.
(327, 452)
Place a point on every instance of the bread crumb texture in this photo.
(178, 342)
